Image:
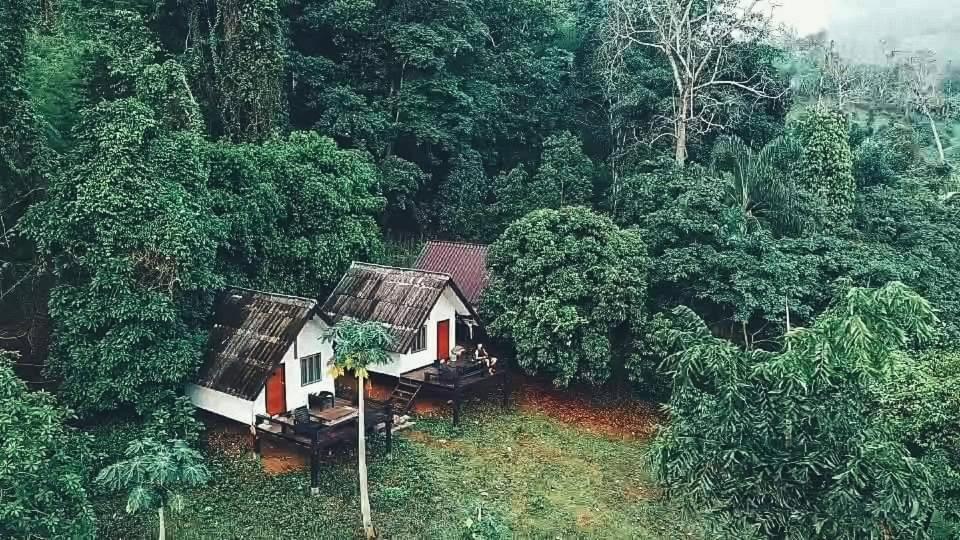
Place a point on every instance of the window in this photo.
(311, 369)
(420, 342)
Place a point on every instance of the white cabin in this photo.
(421, 309)
(267, 356)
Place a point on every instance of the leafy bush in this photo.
(568, 288)
(174, 420)
(785, 443)
(826, 162)
(41, 466)
(922, 399)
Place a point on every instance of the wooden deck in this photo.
(325, 428)
(434, 376)
(459, 379)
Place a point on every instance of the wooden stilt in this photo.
(389, 426)
(315, 471)
(457, 398)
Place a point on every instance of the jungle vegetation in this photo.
(682, 204)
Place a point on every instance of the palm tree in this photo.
(755, 181)
(152, 472)
(357, 346)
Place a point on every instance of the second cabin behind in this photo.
(425, 312)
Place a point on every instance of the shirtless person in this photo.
(482, 355)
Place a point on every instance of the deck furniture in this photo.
(321, 400)
(335, 415)
(314, 434)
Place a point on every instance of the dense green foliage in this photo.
(785, 442)
(25, 156)
(297, 211)
(41, 466)
(922, 400)
(152, 151)
(827, 163)
(568, 291)
(128, 266)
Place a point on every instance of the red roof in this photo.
(465, 263)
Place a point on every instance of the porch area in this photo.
(455, 380)
(324, 425)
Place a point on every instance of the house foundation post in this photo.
(389, 426)
(457, 397)
(314, 471)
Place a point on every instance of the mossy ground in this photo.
(504, 474)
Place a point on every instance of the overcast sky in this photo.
(859, 25)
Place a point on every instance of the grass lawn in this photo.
(524, 474)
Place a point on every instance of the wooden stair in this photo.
(403, 395)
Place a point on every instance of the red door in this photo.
(276, 392)
(443, 340)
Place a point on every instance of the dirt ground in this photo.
(622, 419)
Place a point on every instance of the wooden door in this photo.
(443, 339)
(277, 392)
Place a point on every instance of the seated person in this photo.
(482, 355)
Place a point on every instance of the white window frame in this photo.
(420, 340)
(311, 365)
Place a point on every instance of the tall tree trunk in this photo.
(681, 130)
(936, 137)
(163, 533)
(362, 465)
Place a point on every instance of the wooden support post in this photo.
(257, 449)
(314, 471)
(389, 426)
(457, 397)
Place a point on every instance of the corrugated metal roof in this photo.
(399, 298)
(465, 263)
(251, 332)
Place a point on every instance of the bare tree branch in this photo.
(693, 38)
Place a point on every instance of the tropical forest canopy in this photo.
(681, 201)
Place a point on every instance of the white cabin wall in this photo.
(309, 341)
(232, 407)
(445, 308)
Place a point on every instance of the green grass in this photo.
(528, 476)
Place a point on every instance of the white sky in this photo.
(859, 26)
(807, 16)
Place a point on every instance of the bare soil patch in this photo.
(621, 419)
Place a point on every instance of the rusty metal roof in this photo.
(399, 298)
(251, 332)
(465, 263)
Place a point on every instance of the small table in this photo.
(336, 415)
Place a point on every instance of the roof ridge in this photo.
(280, 295)
(401, 268)
(457, 243)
